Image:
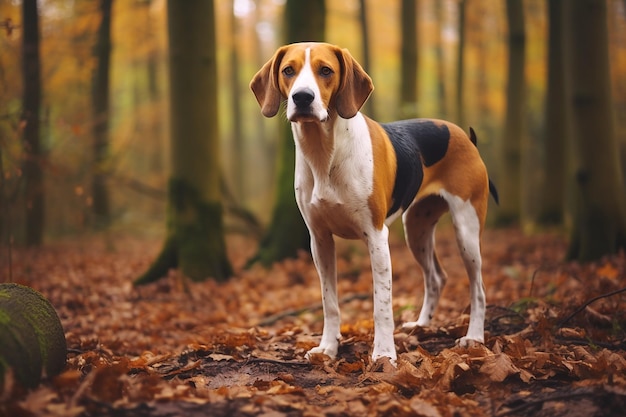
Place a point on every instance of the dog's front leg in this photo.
(378, 245)
(323, 251)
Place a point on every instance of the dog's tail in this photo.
(492, 187)
(494, 192)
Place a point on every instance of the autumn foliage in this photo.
(237, 348)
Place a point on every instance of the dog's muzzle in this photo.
(303, 99)
(305, 106)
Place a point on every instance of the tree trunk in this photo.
(100, 124)
(553, 188)
(510, 170)
(439, 55)
(460, 67)
(287, 233)
(409, 56)
(195, 241)
(238, 147)
(600, 218)
(266, 143)
(365, 46)
(32, 165)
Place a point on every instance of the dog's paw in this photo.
(412, 325)
(328, 350)
(467, 342)
(383, 364)
(319, 359)
(387, 353)
(409, 325)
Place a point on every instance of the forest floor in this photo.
(555, 335)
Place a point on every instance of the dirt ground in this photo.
(555, 335)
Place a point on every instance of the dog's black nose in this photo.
(303, 98)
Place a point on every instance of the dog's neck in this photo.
(316, 143)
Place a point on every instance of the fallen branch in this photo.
(582, 307)
(591, 342)
(314, 307)
(270, 361)
(558, 396)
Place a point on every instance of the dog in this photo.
(354, 176)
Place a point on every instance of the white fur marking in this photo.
(306, 79)
(467, 227)
(333, 194)
(378, 245)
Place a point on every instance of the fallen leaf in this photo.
(498, 367)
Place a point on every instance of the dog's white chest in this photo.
(340, 212)
(336, 194)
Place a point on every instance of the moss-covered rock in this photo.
(32, 341)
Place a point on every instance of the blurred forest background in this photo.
(118, 140)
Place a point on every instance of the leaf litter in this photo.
(555, 335)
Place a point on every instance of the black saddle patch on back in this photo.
(416, 142)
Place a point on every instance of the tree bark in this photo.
(553, 188)
(195, 242)
(365, 46)
(439, 54)
(600, 218)
(238, 148)
(409, 66)
(100, 112)
(32, 165)
(287, 233)
(460, 67)
(510, 169)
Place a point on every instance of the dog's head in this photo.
(316, 79)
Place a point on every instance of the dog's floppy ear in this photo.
(264, 85)
(356, 86)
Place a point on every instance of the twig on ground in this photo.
(582, 307)
(268, 321)
(549, 398)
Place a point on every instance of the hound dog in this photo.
(354, 176)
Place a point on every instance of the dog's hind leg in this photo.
(420, 221)
(468, 225)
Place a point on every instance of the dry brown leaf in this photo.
(423, 408)
(498, 367)
(608, 271)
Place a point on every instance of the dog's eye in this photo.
(326, 71)
(288, 71)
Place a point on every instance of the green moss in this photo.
(31, 335)
(202, 249)
(195, 241)
(167, 259)
(4, 317)
(19, 349)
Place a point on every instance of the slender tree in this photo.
(439, 55)
(509, 180)
(600, 215)
(100, 111)
(32, 168)
(365, 46)
(408, 53)
(460, 66)
(266, 145)
(195, 239)
(553, 188)
(238, 148)
(287, 233)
